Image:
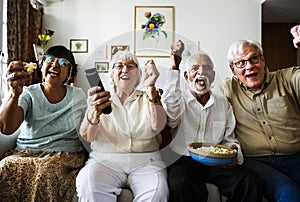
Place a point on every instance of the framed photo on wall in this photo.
(190, 47)
(100, 52)
(115, 48)
(153, 30)
(102, 67)
(38, 52)
(79, 45)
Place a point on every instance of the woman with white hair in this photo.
(124, 143)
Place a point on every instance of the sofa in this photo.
(8, 142)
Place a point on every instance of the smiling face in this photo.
(125, 74)
(200, 74)
(252, 74)
(55, 71)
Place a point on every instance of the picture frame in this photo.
(190, 48)
(79, 45)
(115, 48)
(153, 39)
(100, 52)
(38, 52)
(102, 67)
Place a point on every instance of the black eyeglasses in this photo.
(61, 61)
(242, 63)
(120, 66)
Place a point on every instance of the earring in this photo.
(70, 75)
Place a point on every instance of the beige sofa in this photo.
(8, 142)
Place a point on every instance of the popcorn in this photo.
(30, 67)
(216, 150)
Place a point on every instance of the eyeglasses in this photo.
(61, 61)
(120, 66)
(242, 63)
(195, 68)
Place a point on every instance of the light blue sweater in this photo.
(51, 127)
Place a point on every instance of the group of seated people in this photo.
(258, 115)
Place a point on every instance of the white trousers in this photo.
(104, 176)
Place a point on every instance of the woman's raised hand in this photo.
(151, 73)
(17, 76)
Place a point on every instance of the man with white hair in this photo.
(197, 115)
(267, 109)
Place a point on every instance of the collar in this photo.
(134, 95)
(191, 98)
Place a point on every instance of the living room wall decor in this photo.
(79, 45)
(153, 30)
(115, 48)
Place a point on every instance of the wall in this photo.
(215, 23)
(279, 51)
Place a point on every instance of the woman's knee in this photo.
(82, 181)
(161, 193)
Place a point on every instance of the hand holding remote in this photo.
(94, 80)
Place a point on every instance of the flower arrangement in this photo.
(153, 26)
(45, 37)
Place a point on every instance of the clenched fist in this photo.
(150, 73)
(295, 31)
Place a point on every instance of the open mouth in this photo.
(53, 73)
(251, 76)
(200, 82)
(125, 77)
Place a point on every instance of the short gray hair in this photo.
(189, 59)
(125, 55)
(237, 48)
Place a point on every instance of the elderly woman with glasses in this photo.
(125, 143)
(48, 153)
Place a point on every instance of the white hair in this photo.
(237, 48)
(125, 55)
(188, 61)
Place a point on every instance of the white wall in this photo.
(215, 23)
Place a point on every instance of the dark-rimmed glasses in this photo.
(242, 63)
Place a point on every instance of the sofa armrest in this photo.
(8, 142)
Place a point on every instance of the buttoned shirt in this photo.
(268, 120)
(128, 128)
(191, 122)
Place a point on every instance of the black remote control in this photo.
(94, 80)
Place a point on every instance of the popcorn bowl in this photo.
(212, 154)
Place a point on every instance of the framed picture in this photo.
(102, 67)
(115, 48)
(153, 30)
(100, 52)
(38, 52)
(79, 45)
(190, 48)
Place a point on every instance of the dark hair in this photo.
(60, 51)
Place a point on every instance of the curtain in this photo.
(24, 23)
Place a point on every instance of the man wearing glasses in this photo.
(267, 110)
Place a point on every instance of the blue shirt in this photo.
(51, 127)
